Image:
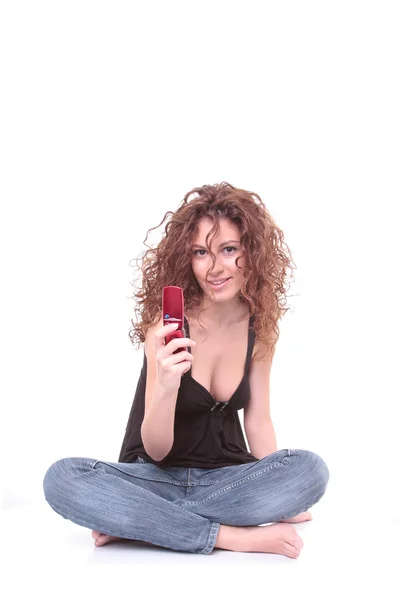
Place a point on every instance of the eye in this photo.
(226, 248)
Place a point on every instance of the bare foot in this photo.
(281, 538)
(100, 539)
(304, 516)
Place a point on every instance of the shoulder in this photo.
(263, 353)
(149, 335)
(256, 354)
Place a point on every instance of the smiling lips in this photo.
(220, 283)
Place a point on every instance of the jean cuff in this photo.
(212, 538)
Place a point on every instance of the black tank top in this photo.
(207, 433)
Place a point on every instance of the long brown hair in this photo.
(169, 263)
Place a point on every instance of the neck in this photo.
(219, 315)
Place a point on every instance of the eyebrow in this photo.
(223, 244)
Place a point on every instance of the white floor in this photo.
(344, 554)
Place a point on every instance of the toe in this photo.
(100, 540)
(296, 543)
(291, 550)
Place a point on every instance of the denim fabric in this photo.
(182, 508)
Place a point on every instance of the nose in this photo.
(219, 269)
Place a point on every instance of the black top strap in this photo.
(250, 344)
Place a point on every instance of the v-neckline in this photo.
(189, 372)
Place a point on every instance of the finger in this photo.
(169, 349)
(166, 328)
(182, 341)
(162, 332)
(175, 359)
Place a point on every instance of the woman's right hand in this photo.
(171, 367)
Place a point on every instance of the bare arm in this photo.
(163, 379)
(158, 425)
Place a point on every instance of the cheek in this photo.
(237, 267)
(197, 270)
(241, 264)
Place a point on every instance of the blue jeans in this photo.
(182, 508)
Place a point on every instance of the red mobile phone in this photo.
(172, 311)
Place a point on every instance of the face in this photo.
(226, 248)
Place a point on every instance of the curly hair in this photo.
(169, 263)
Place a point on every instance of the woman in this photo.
(185, 479)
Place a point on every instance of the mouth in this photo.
(219, 283)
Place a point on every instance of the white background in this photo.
(111, 113)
